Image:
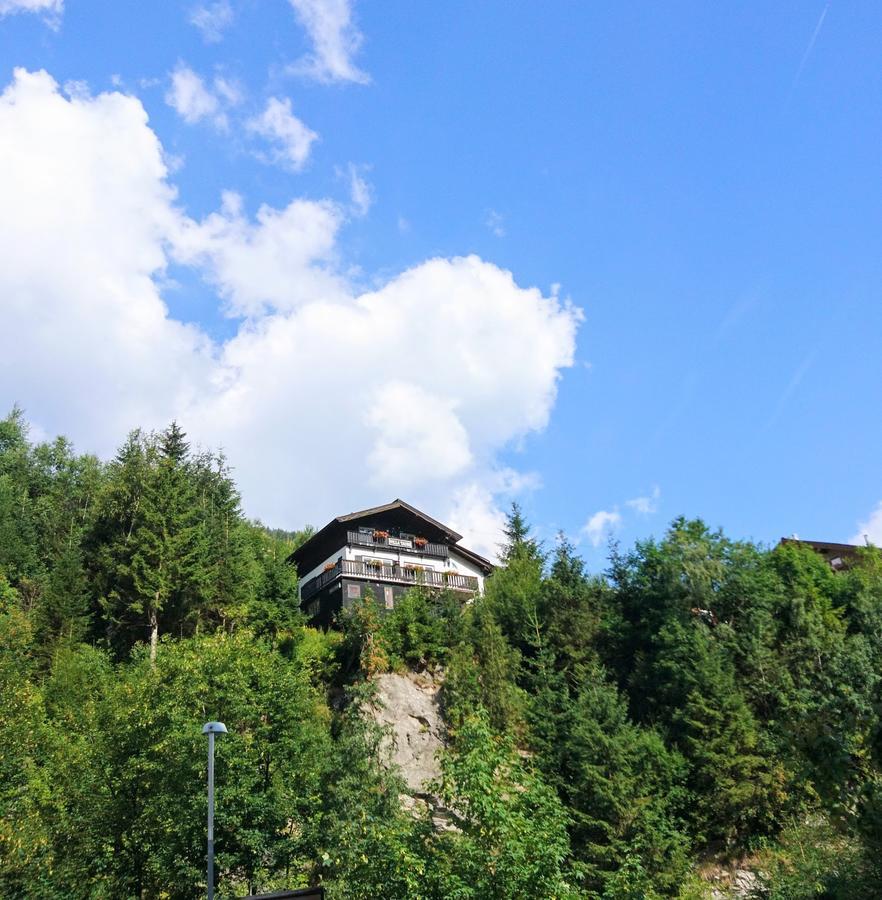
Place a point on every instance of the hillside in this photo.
(701, 703)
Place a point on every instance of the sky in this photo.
(618, 262)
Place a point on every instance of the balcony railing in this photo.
(314, 585)
(394, 573)
(363, 539)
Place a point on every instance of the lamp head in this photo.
(214, 728)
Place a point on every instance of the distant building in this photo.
(386, 549)
(839, 556)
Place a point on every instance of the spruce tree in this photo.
(170, 566)
(63, 612)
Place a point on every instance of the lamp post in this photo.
(211, 729)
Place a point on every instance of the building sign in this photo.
(398, 542)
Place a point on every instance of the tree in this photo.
(274, 610)
(63, 612)
(170, 566)
(518, 541)
(150, 542)
(513, 591)
(511, 840)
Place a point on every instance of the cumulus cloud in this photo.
(870, 529)
(290, 140)
(328, 397)
(212, 19)
(476, 515)
(50, 9)
(335, 40)
(192, 100)
(87, 344)
(646, 506)
(279, 261)
(410, 390)
(601, 525)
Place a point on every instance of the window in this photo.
(390, 598)
(353, 591)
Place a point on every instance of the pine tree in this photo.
(63, 612)
(518, 541)
(173, 444)
(234, 569)
(170, 565)
(150, 542)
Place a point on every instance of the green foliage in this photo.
(363, 651)
(484, 670)
(63, 612)
(420, 630)
(606, 732)
(369, 847)
(814, 860)
(511, 838)
(273, 610)
(24, 786)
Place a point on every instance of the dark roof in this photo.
(823, 546)
(838, 555)
(326, 540)
(399, 504)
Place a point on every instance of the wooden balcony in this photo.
(361, 539)
(392, 574)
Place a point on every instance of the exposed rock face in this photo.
(735, 882)
(408, 706)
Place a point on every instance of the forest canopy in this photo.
(610, 735)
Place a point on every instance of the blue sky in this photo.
(694, 190)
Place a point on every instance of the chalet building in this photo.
(388, 549)
(838, 556)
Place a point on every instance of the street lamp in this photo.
(211, 729)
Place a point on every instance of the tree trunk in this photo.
(154, 636)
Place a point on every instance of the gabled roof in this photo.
(398, 504)
(324, 541)
(830, 550)
(823, 546)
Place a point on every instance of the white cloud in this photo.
(360, 192)
(476, 515)
(291, 140)
(328, 398)
(86, 343)
(603, 523)
(192, 100)
(229, 91)
(410, 390)
(50, 9)
(495, 223)
(282, 260)
(870, 529)
(335, 40)
(212, 19)
(646, 506)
